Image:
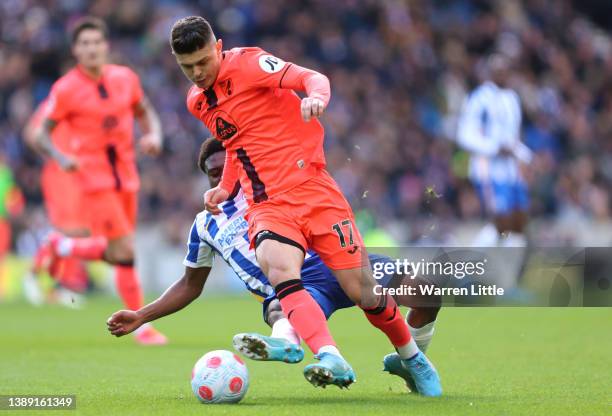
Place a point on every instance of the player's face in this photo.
(91, 48)
(214, 168)
(202, 66)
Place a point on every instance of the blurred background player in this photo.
(490, 130)
(62, 197)
(100, 101)
(276, 152)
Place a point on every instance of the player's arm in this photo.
(214, 196)
(198, 263)
(176, 297)
(230, 174)
(314, 84)
(43, 144)
(29, 133)
(264, 70)
(520, 151)
(152, 140)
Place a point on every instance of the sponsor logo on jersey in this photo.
(271, 64)
(224, 129)
(110, 122)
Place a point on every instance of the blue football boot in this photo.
(418, 372)
(262, 348)
(331, 369)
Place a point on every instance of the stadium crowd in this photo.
(399, 71)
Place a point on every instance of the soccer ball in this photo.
(220, 377)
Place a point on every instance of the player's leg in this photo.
(112, 223)
(423, 308)
(282, 345)
(121, 253)
(281, 262)
(318, 280)
(63, 203)
(281, 327)
(337, 240)
(420, 319)
(280, 247)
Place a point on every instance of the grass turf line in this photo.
(502, 361)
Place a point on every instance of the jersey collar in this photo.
(85, 75)
(220, 75)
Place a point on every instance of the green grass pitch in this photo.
(492, 361)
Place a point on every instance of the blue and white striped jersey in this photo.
(226, 235)
(490, 119)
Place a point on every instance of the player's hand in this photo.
(213, 197)
(312, 107)
(123, 322)
(150, 144)
(506, 151)
(67, 163)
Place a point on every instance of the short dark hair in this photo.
(190, 34)
(209, 147)
(85, 23)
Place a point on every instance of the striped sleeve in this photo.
(199, 252)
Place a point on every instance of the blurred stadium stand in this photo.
(399, 71)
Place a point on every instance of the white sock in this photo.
(330, 349)
(283, 329)
(514, 240)
(64, 247)
(488, 236)
(513, 259)
(422, 336)
(409, 350)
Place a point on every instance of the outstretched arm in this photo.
(176, 297)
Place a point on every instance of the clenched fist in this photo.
(312, 107)
(213, 197)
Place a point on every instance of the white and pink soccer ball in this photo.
(220, 377)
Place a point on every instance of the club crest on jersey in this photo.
(226, 86)
(224, 129)
(271, 64)
(110, 122)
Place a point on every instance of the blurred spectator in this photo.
(399, 73)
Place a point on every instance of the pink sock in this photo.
(87, 248)
(304, 314)
(128, 286)
(389, 320)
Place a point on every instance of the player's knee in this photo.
(279, 269)
(362, 296)
(280, 272)
(358, 286)
(120, 251)
(279, 261)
